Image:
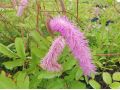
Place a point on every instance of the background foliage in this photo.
(22, 47)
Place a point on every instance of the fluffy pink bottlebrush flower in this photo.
(22, 6)
(75, 40)
(49, 62)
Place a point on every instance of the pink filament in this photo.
(49, 62)
(76, 41)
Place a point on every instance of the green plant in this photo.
(24, 42)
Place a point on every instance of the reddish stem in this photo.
(77, 3)
(63, 7)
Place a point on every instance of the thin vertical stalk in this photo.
(37, 17)
(77, 4)
(63, 7)
(57, 4)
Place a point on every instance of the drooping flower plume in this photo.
(75, 40)
(49, 62)
(22, 6)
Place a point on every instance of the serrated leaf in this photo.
(6, 82)
(6, 51)
(48, 75)
(19, 44)
(77, 85)
(115, 85)
(107, 78)
(94, 84)
(116, 76)
(12, 64)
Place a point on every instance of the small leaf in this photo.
(19, 44)
(86, 79)
(107, 78)
(116, 76)
(6, 83)
(47, 75)
(56, 84)
(22, 80)
(77, 85)
(6, 51)
(34, 82)
(12, 64)
(37, 50)
(71, 74)
(115, 85)
(79, 74)
(43, 43)
(94, 84)
(69, 63)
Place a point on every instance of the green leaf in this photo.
(6, 51)
(79, 74)
(38, 50)
(19, 44)
(110, 1)
(43, 43)
(22, 80)
(116, 76)
(115, 85)
(107, 78)
(12, 64)
(86, 79)
(34, 82)
(94, 84)
(6, 82)
(67, 65)
(56, 84)
(48, 75)
(77, 85)
(71, 74)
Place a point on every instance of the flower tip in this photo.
(89, 70)
(51, 67)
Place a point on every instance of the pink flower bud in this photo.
(22, 6)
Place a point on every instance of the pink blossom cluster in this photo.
(76, 42)
(21, 7)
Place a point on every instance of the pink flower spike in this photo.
(76, 41)
(22, 6)
(49, 62)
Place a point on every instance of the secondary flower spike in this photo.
(22, 6)
(49, 62)
(75, 40)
